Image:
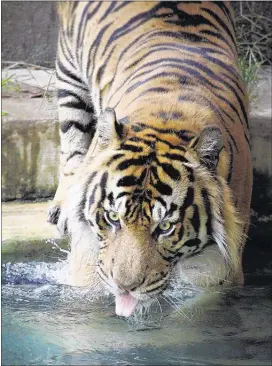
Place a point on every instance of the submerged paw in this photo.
(53, 214)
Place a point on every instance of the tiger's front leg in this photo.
(77, 127)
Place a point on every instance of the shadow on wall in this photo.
(257, 254)
(262, 191)
(29, 32)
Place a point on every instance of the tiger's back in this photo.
(168, 70)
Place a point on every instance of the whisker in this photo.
(171, 303)
(158, 302)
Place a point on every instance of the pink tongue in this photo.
(125, 304)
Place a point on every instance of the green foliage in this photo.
(8, 84)
(249, 72)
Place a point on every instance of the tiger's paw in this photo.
(56, 216)
(53, 213)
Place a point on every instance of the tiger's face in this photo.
(151, 204)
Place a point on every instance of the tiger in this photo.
(155, 166)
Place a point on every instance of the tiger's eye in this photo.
(113, 216)
(165, 225)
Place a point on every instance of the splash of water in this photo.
(28, 281)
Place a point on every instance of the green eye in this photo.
(165, 226)
(113, 216)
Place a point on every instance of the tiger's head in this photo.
(158, 208)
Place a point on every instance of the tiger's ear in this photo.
(208, 146)
(108, 129)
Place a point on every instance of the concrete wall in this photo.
(29, 31)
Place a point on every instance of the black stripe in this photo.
(82, 203)
(219, 21)
(222, 81)
(136, 75)
(170, 171)
(92, 197)
(108, 11)
(226, 11)
(164, 257)
(156, 281)
(181, 233)
(71, 84)
(95, 47)
(170, 115)
(88, 17)
(155, 138)
(114, 158)
(110, 198)
(192, 72)
(68, 73)
(126, 49)
(78, 104)
(207, 102)
(153, 90)
(81, 28)
(163, 188)
(74, 153)
(207, 205)
(129, 147)
(142, 160)
(142, 178)
(231, 106)
(161, 287)
(192, 243)
(230, 163)
(98, 220)
(217, 35)
(184, 19)
(101, 69)
(122, 194)
(130, 25)
(122, 4)
(180, 236)
(234, 81)
(179, 134)
(75, 5)
(162, 202)
(179, 34)
(67, 125)
(193, 100)
(188, 201)
(203, 51)
(195, 221)
(173, 208)
(65, 51)
(132, 211)
(176, 157)
(103, 184)
(127, 181)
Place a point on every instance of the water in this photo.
(46, 322)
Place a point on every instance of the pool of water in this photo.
(47, 322)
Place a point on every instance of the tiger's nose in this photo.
(129, 287)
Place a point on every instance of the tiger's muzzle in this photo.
(132, 268)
